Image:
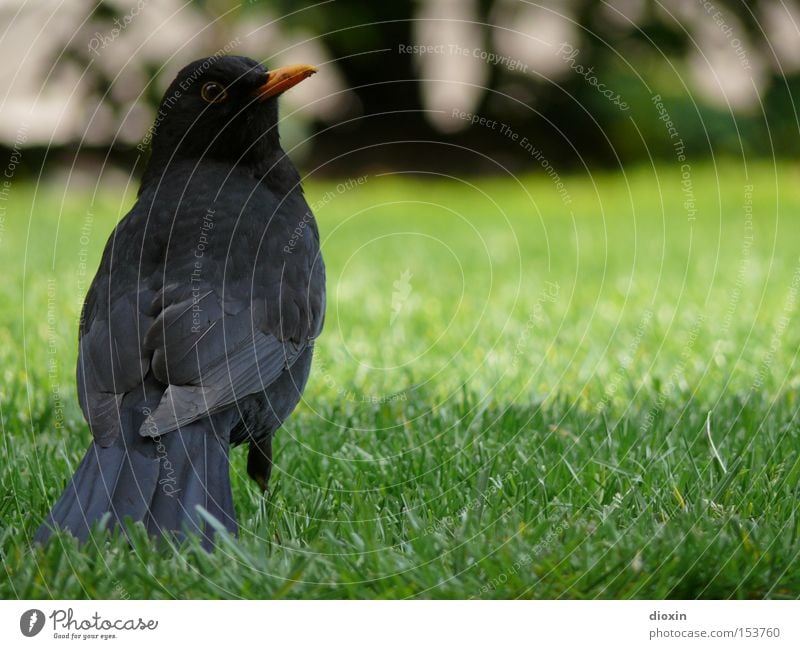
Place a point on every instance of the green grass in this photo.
(533, 418)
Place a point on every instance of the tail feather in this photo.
(135, 485)
(88, 495)
(159, 481)
(194, 472)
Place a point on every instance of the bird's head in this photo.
(223, 108)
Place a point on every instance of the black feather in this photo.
(197, 331)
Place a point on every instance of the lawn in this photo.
(522, 391)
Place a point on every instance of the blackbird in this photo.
(198, 329)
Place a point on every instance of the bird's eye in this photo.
(213, 93)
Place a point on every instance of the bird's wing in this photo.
(152, 336)
(111, 360)
(211, 353)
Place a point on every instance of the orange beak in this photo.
(281, 79)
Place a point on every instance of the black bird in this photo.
(198, 330)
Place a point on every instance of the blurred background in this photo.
(577, 77)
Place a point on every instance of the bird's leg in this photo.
(259, 462)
